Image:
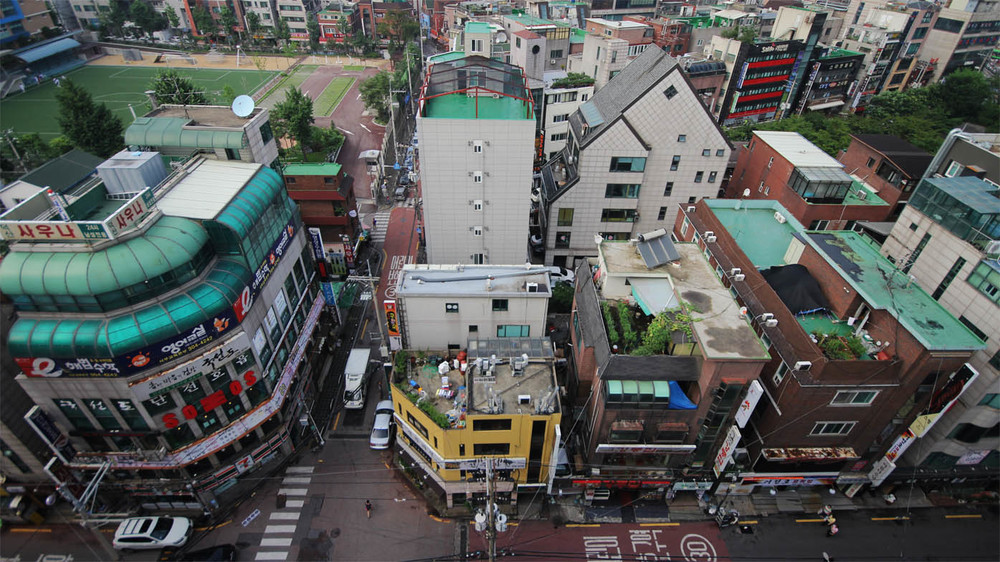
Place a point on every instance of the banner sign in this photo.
(644, 449)
(391, 320)
(725, 453)
(194, 369)
(52, 230)
(754, 392)
(131, 213)
(882, 469)
(943, 399)
(160, 353)
(264, 271)
(499, 463)
(52, 435)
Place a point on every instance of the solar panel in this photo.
(658, 251)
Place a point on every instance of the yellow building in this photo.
(503, 405)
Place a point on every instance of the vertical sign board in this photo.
(52, 435)
(348, 252)
(316, 239)
(754, 392)
(726, 451)
(391, 320)
(943, 399)
(883, 468)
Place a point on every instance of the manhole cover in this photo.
(746, 529)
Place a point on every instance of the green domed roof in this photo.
(168, 244)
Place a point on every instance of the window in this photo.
(913, 226)
(565, 217)
(819, 225)
(500, 305)
(972, 433)
(478, 259)
(854, 397)
(232, 154)
(698, 177)
(618, 215)
(682, 138)
(995, 360)
(473, 328)
(870, 163)
(706, 152)
(770, 161)
(627, 164)
(992, 400)
(676, 161)
(416, 424)
(562, 239)
(328, 180)
(584, 97)
(832, 428)
(972, 327)
(513, 331)
(624, 434)
(477, 146)
(129, 413)
(73, 413)
(477, 45)
(451, 307)
(502, 424)
(669, 189)
(720, 153)
(779, 375)
(491, 449)
(712, 176)
(622, 190)
(560, 118)
(692, 200)
(559, 136)
(685, 224)
(477, 177)
(289, 180)
(636, 394)
(670, 92)
(477, 231)
(477, 205)
(956, 268)
(953, 170)
(662, 214)
(265, 132)
(102, 413)
(556, 54)
(986, 280)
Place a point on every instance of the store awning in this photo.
(826, 105)
(49, 49)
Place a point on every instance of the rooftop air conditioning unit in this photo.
(735, 271)
(739, 277)
(690, 209)
(770, 323)
(523, 398)
(862, 194)
(711, 239)
(779, 217)
(496, 96)
(766, 316)
(803, 365)
(532, 287)
(553, 61)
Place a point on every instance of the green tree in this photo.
(113, 19)
(171, 87)
(294, 118)
(398, 26)
(146, 18)
(312, 26)
(573, 80)
(965, 92)
(204, 23)
(253, 26)
(282, 32)
(171, 16)
(227, 20)
(90, 126)
(375, 94)
(228, 94)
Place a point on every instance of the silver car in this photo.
(382, 429)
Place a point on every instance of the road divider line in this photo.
(751, 522)
(336, 421)
(213, 527)
(975, 516)
(900, 518)
(809, 520)
(659, 524)
(584, 525)
(30, 530)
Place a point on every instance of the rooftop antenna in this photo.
(243, 106)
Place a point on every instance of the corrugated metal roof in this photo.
(797, 149)
(118, 335)
(47, 50)
(168, 244)
(174, 131)
(250, 203)
(65, 171)
(207, 189)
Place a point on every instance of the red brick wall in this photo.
(855, 160)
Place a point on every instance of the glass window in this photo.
(627, 164)
(670, 92)
(128, 412)
(622, 190)
(178, 436)
(706, 152)
(73, 413)
(618, 215)
(565, 217)
(854, 397)
(992, 400)
(491, 449)
(451, 307)
(191, 392)
(513, 331)
(669, 189)
(832, 428)
(159, 404)
(500, 305)
(682, 138)
(562, 239)
(662, 214)
(675, 162)
(698, 177)
(712, 176)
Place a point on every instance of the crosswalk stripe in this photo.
(287, 516)
(276, 542)
(294, 491)
(279, 529)
(294, 503)
(272, 555)
(300, 469)
(289, 480)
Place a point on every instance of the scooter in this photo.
(726, 519)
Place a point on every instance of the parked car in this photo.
(150, 533)
(561, 275)
(382, 429)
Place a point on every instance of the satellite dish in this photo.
(243, 105)
(500, 37)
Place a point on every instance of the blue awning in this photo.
(49, 49)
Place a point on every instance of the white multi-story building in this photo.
(476, 127)
(948, 240)
(443, 306)
(602, 58)
(643, 145)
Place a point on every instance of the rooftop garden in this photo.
(839, 347)
(573, 80)
(633, 332)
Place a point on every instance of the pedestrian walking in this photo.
(22, 86)
(830, 520)
(368, 508)
(826, 511)
(827, 557)
(833, 530)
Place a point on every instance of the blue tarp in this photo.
(678, 400)
(47, 50)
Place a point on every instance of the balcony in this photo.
(558, 174)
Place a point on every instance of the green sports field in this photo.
(115, 86)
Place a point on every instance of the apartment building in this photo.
(762, 76)
(476, 206)
(962, 35)
(813, 186)
(832, 79)
(21, 19)
(325, 197)
(638, 34)
(642, 145)
(889, 164)
(176, 370)
(858, 350)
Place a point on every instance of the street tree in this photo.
(227, 21)
(143, 16)
(375, 94)
(398, 26)
(204, 23)
(253, 26)
(281, 31)
(312, 26)
(90, 126)
(171, 87)
(294, 118)
(172, 19)
(113, 19)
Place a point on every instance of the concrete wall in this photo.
(429, 326)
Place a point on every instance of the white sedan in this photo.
(382, 430)
(147, 533)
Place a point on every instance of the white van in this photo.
(355, 379)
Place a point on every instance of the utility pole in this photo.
(80, 504)
(491, 530)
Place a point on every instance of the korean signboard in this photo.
(644, 449)
(194, 369)
(943, 399)
(148, 357)
(52, 435)
(131, 213)
(754, 392)
(52, 230)
(726, 451)
(316, 240)
(391, 320)
(264, 271)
